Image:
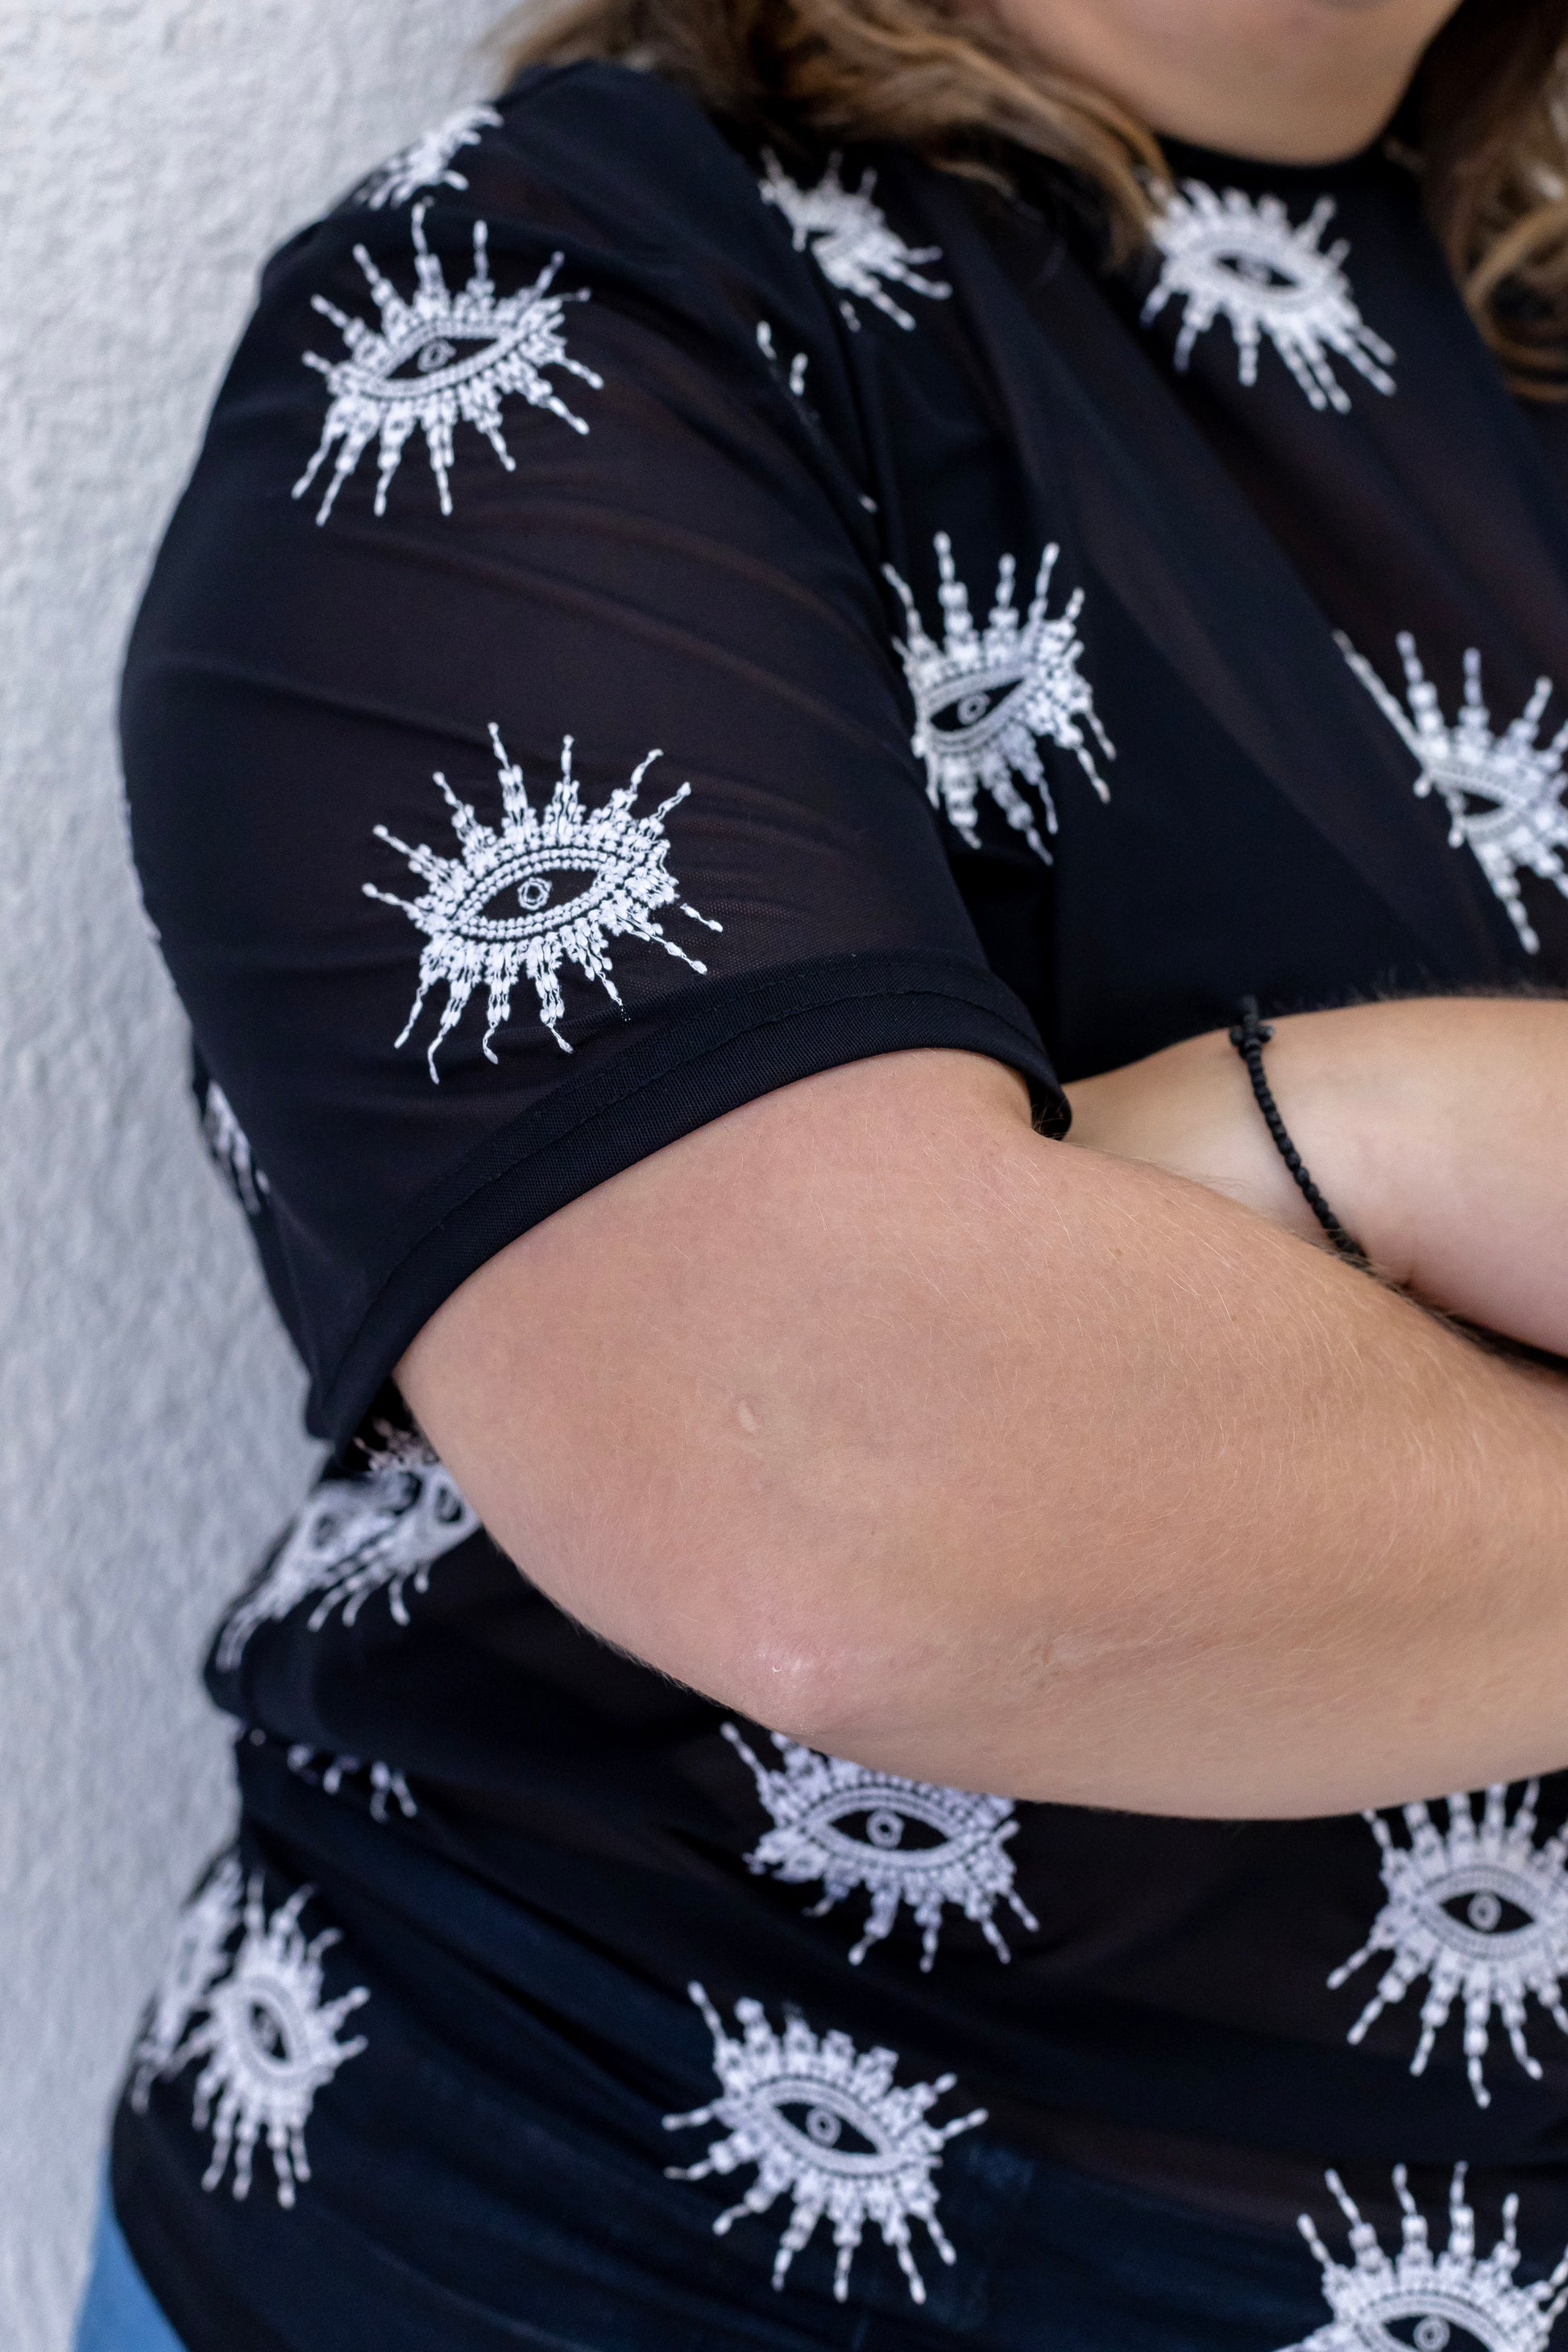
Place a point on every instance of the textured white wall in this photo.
(153, 150)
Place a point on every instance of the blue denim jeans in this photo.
(118, 2314)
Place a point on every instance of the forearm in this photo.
(1011, 1466)
(1436, 1127)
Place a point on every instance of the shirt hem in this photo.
(740, 1042)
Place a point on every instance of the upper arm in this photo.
(766, 1364)
(447, 983)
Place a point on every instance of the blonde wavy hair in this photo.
(1485, 122)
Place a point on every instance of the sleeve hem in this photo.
(731, 1046)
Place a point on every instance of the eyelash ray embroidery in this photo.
(510, 342)
(468, 945)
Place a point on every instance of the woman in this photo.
(1072, 491)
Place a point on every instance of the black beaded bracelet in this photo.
(1250, 1036)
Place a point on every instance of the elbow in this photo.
(804, 1684)
(925, 1669)
(805, 1649)
(899, 1672)
(790, 1663)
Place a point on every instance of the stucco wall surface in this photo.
(153, 150)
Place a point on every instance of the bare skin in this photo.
(1287, 81)
(1036, 1467)
(1438, 1130)
(1014, 1464)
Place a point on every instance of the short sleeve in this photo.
(518, 757)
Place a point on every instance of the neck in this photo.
(1288, 81)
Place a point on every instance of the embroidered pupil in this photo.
(267, 2033)
(825, 2129)
(440, 352)
(1255, 272)
(534, 893)
(1432, 2333)
(1487, 1913)
(890, 1831)
(1427, 2331)
(970, 708)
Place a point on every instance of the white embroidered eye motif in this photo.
(197, 1957)
(382, 1784)
(1450, 2301)
(1230, 257)
(270, 2043)
(1503, 793)
(552, 886)
(903, 1842)
(795, 375)
(269, 2039)
(851, 240)
(1482, 1914)
(381, 1532)
(426, 162)
(986, 700)
(230, 1149)
(824, 2125)
(440, 358)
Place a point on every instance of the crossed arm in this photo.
(1438, 1126)
(1046, 1468)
